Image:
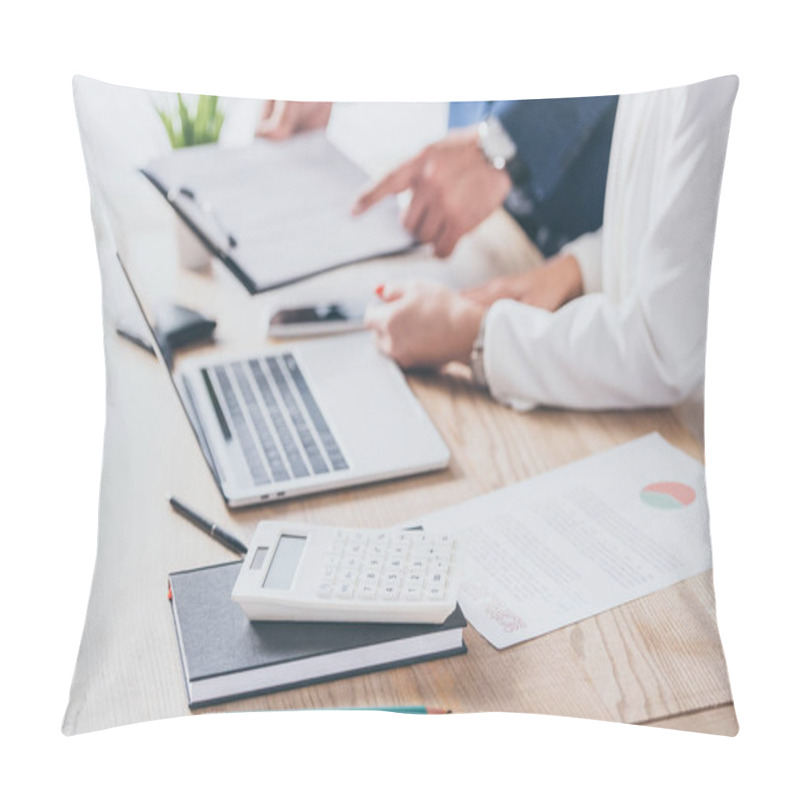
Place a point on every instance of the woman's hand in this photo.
(425, 325)
(548, 286)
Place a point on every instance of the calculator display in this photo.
(284, 562)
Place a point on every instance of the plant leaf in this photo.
(187, 125)
(201, 120)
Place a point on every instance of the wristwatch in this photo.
(500, 150)
(476, 355)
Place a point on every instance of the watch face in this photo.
(497, 145)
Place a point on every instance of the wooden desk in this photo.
(657, 660)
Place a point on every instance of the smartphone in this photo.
(316, 320)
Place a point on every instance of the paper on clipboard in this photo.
(579, 540)
(286, 205)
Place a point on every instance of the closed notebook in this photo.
(225, 656)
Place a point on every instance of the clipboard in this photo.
(277, 213)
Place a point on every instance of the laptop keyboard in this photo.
(278, 422)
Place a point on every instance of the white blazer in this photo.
(637, 337)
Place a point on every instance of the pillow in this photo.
(547, 262)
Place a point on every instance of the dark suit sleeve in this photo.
(551, 134)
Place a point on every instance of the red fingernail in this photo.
(379, 290)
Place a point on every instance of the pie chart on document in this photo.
(668, 495)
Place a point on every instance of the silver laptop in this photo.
(303, 418)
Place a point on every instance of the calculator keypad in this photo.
(386, 566)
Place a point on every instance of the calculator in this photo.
(312, 573)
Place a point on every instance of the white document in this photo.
(569, 544)
(286, 204)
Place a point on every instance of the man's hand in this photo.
(453, 190)
(548, 286)
(425, 325)
(281, 119)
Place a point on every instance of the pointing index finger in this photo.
(398, 180)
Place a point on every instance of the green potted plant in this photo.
(187, 126)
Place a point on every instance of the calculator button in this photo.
(389, 592)
(411, 593)
(329, 569)
(367, 591)
(438, 568)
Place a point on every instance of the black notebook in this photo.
(275, 213)
(225, 656)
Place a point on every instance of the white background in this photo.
(52, 422)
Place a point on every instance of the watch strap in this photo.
(517, 171)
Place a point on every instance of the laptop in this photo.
(305, 417)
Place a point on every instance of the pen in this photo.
(231, 542)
